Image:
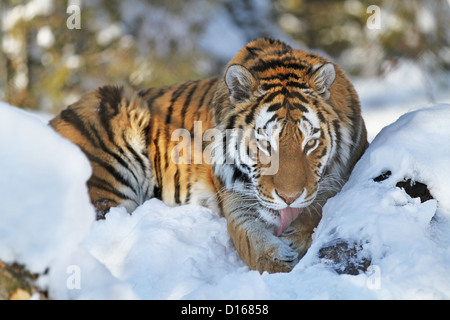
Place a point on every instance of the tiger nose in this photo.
(287, 199)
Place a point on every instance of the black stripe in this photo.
(335, 124)
(307, 120)
(299, 96)
(106, 185)
(136, 155)
(147, 140)
(96, 182)
(211, 83)
(144, 92)
(70, 116)
(331, 137)
(274, 107)
(161, 91)
(355, 127)
(265, 65)
(177, 187)
(189, 185)
(268, 86)
(98, 138)
(187, 102)
(110, 98)
(324, 152)
(274, 118)
(336, 127)
(175, 95)
(231, 121)
(252, 53)
(249, 117)
(188, 197)
(299, 106)
(104, 121)
(293, 84)
(157, 192)
(296, 84)
(110, 152)
(111, 170)
(225, 156)
(209, 102)
(158, 189)
(249, 247)
(280, 76)
(320, 116)
(240, 176)
(271, 96)
(157, 160)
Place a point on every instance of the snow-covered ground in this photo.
(159, 252)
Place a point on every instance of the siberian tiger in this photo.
(270, 185)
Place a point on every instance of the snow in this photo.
(45, 209)
(34, 165)
(408, 241)
(159, 252)
(406, 87)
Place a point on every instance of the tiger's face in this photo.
(282, 162)
(291, 154)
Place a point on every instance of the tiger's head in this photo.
(286, 115)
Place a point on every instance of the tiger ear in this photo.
(240, 82)
(324, 76)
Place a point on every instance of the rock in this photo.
(16, 283)
(344, 257)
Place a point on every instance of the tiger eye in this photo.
(311, 143)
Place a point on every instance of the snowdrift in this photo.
(375, 241)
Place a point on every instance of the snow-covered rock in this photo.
(405, 240)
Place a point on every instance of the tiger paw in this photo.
(278, 257)
(297, 242)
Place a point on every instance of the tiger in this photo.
(306, 135)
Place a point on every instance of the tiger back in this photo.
(127, 137)
(183, 144)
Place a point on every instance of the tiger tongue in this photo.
(287, 216)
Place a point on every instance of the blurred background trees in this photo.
(46, 65)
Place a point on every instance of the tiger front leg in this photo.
(299, 233)
(258, 247)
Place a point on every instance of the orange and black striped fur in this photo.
(265, 146)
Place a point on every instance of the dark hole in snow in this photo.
(382, 176)
(414, 189)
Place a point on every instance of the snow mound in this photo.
(373, 221)
(45, 209)
(43, 184)
(374, 242)
(164, 252)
